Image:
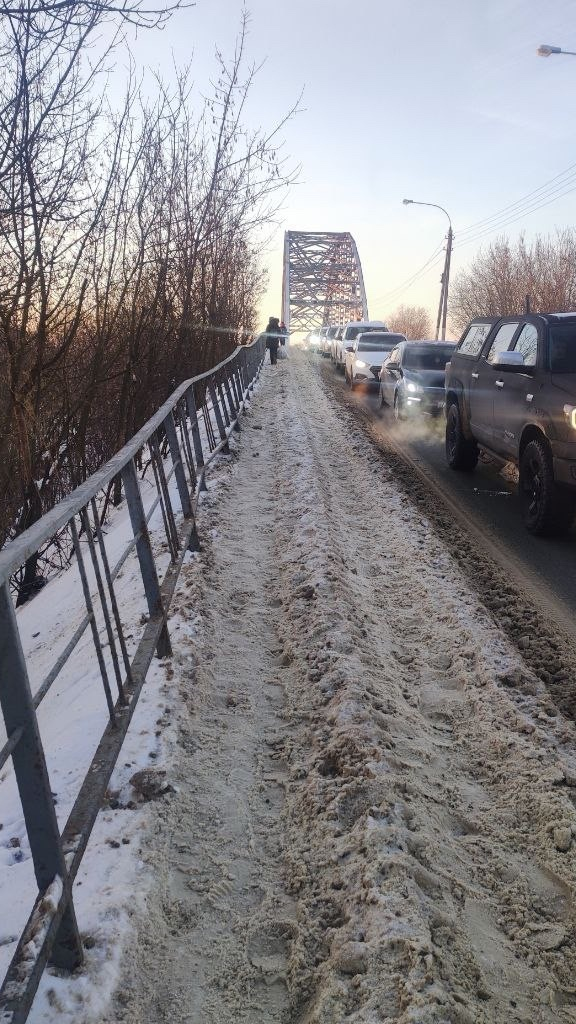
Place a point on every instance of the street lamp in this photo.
(544, 50)
(443, 307)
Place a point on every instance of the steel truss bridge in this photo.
(322, 281)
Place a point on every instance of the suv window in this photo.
(527, 344)
(474, 339)
(563, 347)
(502, 340)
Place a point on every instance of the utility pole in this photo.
(446, 280)
(441, 303)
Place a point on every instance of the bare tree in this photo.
(129, 255)
(503, 275)
(413, 321)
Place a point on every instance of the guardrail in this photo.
(194, 426)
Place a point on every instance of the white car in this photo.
(328, 340)
(349, 335)
(365, 356)
(336, 341)
(322, 346)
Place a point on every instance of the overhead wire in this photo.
(546, 194)
(405, 285)
(512, 220)
(541, 193)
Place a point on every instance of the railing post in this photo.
(176, 455)
(219, 420)
(145, 555)
(196, 439)
(229, 389)
(33, 781)
(236, 386)
(179, 473)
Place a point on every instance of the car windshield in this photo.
(427, 357)
(353, 332)
(379, 343)
(563, 347)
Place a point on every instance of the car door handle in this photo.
(499, 383)
(474, 376)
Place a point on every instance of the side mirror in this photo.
(509, 361)
(349, 348)
(392, 366)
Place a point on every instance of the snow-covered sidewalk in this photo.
(374, 818)
(374, 809)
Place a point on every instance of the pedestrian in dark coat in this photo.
(273, 338)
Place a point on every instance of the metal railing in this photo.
(180, 441)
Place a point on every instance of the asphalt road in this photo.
(488, 496)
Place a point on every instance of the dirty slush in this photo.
(374, 808)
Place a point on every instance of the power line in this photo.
(542, 192)
(512, 220)
(400, 288)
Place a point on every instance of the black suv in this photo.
(511, 390)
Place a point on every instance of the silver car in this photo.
(364, 357)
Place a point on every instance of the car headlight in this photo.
(412, 387)
(570, 414)
(360, 363)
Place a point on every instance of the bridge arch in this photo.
(322, 282)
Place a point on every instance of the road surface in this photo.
(489, 496)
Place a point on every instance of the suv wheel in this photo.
(380, 398)
(547, 509)
(460, 452)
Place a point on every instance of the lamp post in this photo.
(544, 50)
(445, 279)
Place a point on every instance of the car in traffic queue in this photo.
(412, 378)
(363, 358)
(327, 344)
(349, 334)
(323, 346)
(511, 392)
(336, 342)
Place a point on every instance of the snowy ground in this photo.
(375, 797)
(72, 716)
(375, 814)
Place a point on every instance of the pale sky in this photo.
(444, 102)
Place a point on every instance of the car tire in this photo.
(547, 509)
(399, 410)
(461, 453)
(380, 398)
